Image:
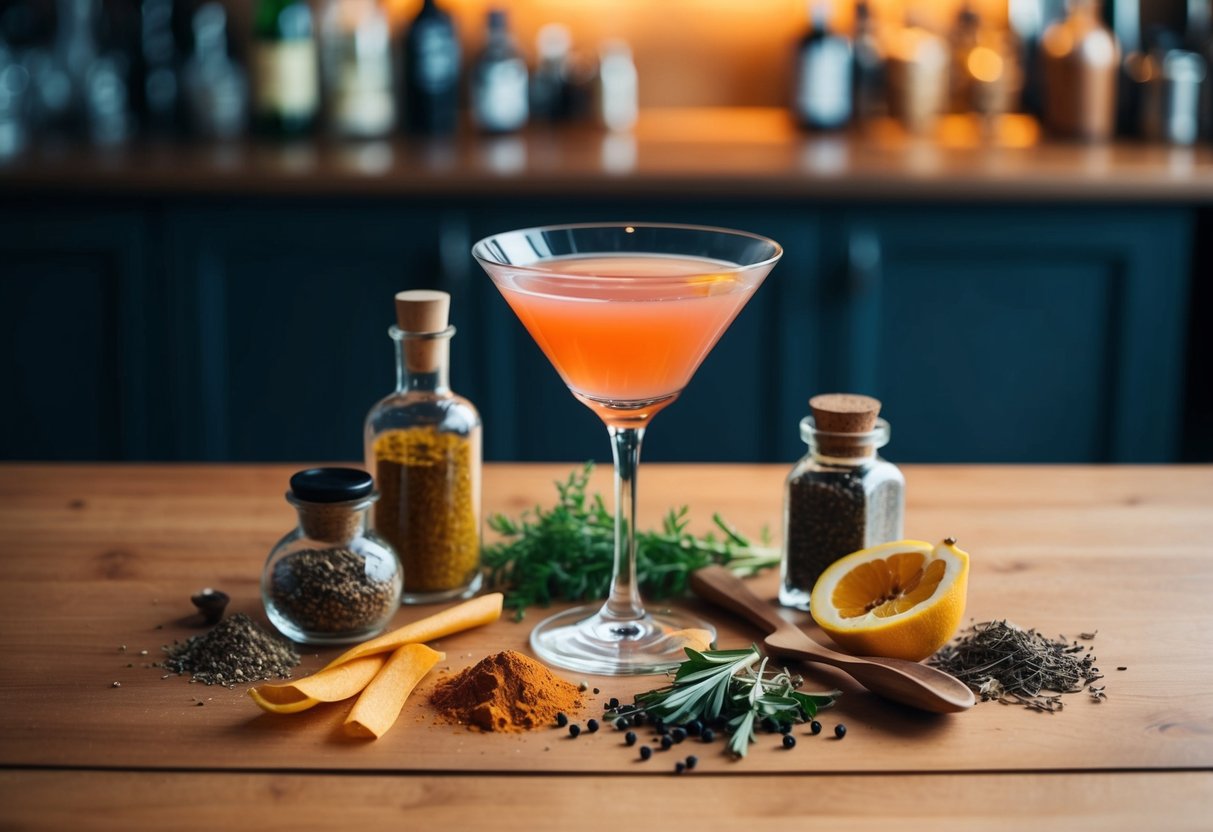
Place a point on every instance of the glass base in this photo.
(582, 639)
(797, 599)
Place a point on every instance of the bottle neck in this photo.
(423, 361)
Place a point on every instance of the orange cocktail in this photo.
(628, 337)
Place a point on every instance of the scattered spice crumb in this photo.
(116, 685)
(583, 686)
(1122, 668)
(142, 652)
(122, 648)
(1088, 636)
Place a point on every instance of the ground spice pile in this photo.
(1001, 661)
(235, 652)
(505, 692)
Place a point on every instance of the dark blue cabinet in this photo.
(256, 329)
(1016, 336)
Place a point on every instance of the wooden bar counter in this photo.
(718, 152)
(99, 557)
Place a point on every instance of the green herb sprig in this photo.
(734, 686)
(566, 553)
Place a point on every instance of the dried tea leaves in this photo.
(237, 651)
(1001, 661)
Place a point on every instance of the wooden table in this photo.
(97, 557)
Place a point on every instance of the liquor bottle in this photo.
(1081, 68)
(286, 82)
(158, 91)
(1124, 18)
(823, 75)
(963, 41)
(868, 66)
(431, 72)
(356, 60)
(550, 83)
(618, 88)
(499, 81)
(215, 87)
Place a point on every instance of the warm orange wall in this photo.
(691, 52)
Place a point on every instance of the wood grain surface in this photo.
(722, 152)
(99, 557)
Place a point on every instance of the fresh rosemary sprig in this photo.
(733, 688)
(565, 553)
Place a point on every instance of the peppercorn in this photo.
(641, 718)
(694, 727)
(622, 723)
(840, 730)
(591, 726)
(785, 728)
(678, 734)
(707, 735)
(789, 741)
(574, 730)
(630, 738)
(561, 720)
(815, 727)
(692, 761)
(645, 752)
(596, 691)
(680, 767)
(613, 703)
(666, 742)
(769, 725)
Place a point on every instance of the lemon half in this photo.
(902, 600)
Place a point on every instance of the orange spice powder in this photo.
(506, 692)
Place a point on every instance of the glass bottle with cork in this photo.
(423, 443)
(330, 581)
(841, 497)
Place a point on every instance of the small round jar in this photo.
(330, 580)
(841, 497)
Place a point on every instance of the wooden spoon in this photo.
(910, 683)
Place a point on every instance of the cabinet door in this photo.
(282, 315)
(72, 310)
(736, 408)
(1012, 335)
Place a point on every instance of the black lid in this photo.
(331, 485)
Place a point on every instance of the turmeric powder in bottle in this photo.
(423, 444)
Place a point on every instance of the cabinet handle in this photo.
(864, 262)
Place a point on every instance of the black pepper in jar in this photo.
(841, 497)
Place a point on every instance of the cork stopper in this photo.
(839, 414)
(423, 311)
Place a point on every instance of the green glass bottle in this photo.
(286, 76)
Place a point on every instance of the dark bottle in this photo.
(286, 76)
(550, 81)
(823, 76)
(868, 66)
(431, 72)
(158, 91)
(500, 101)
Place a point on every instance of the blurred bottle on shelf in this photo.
(356, 64)
(14, 103)
(984, 75)
(918, 77)
(1081, 71)
(500, 97)
(550, 81)
(157, 86)
(822, 96)
(286, 78)
(1169, 84)
(431, 72)
(869, 98)
(1027, 21)
(215, 86)
(618, 88)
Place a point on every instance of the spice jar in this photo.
(330, 581)
(841, 497)
(423, 443)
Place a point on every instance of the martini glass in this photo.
(626, 313)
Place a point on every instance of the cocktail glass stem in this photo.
(623, 604)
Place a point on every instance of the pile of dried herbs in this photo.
(237, 651)
(1001, 661)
